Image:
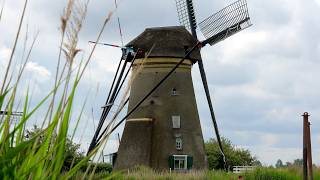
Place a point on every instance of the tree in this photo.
(234, 156)
(73, 155)
(279, 164)
(288, 164)
(298, 162)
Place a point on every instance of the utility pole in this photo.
(307, 155)
(309, 152)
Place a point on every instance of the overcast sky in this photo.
(261, 80)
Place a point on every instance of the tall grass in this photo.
(291, 173)
(262, 173)
(42, 156)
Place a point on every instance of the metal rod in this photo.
(110, 100)
(106, 44)
(108, 126)
(118, 90)
(101, 121)
(114, 96)
(127, 73)
(113, 81)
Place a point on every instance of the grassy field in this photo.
(143, 173)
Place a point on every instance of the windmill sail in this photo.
(226, 22)
(186, 15)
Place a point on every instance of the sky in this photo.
(261, 80)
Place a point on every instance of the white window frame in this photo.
(179, 143)
(180, 158)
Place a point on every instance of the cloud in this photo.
(4, 53)
(41, 73)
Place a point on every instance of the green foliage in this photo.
(298, 162)
(234, 156)
(146, 173)
(72, 154)
(99, 167)
(37, 156)
(271, 173)
(279, 164)
(46, 152)
(295, 163)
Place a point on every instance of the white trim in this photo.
(179, 143)
(139, 119)
(185, 162)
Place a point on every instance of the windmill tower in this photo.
(162, 127)
(166, 126)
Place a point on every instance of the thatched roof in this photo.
(170, 41)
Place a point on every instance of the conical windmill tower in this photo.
(162, 127)
(166, 125)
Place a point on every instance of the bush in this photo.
(99, 167)
(234, 156)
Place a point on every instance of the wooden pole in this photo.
(309, 152)
(305, 164)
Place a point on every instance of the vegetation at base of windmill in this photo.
(261, 173)
(146, 173)
(234, 156)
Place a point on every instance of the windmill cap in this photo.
(172, 41)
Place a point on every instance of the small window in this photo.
(176, 122)
(180, 162)
(174, 92)
(178, 143)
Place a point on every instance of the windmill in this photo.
(162, 127)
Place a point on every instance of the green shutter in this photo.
(189, 162)
(171, 162)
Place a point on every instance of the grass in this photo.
(22, 158)
(263, 173)
(291, 173)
